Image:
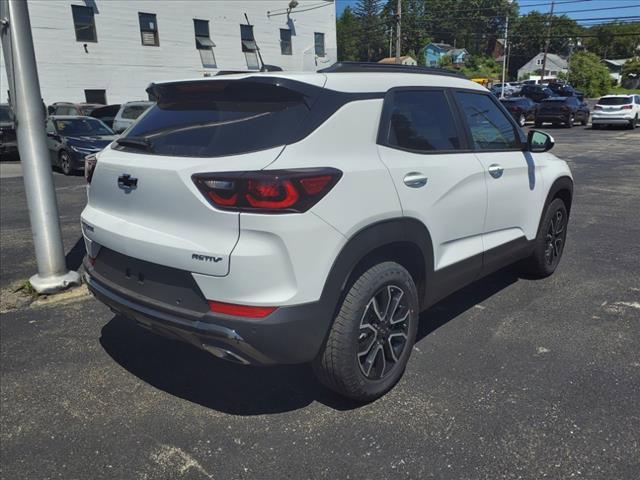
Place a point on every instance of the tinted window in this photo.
(82, 126)
(614, 101)
(84, 23)
(490, 128)
(5, 114)
(134, 111)
(422, 120)
(214, 118)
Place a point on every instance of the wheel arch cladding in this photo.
(561, 188)
(403, 240)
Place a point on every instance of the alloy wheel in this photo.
(555, 237)
(65, 163)
(383, 333)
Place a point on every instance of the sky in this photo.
(617, 8)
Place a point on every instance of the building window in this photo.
(204, 43)
(249, 46)
(84, 23)
(319, 43)
(285, 41)
(539, 61)
(96, 96)
(149, 29)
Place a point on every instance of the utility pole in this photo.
(504, 51)
(546, 45)
(391, 42)
(26, 102)
(398, 31)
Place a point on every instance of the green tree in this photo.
(480, 66)
(587, 73)
(346, 33)
(371, 30)
(632, 67)
(614, 40)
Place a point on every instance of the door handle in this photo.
(496, 170)
(415, 179)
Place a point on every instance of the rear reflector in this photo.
(267, 191)
(247, 311)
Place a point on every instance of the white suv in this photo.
(128, 114)
(616, 110)
(286, 218)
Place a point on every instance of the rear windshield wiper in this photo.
(135, 142)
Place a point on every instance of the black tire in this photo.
(365, 355)
(550, 240)
(570, 121)
(633, 123)
(585, 120)
(522, 120)
(65, 162)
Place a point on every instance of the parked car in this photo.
(565, 110)
(71, 138)
(508, 90)
(68, 108)
(520, 108)
(8, 142)
(331, 217)
(561, 89)
(128, 114)
(107, 114)
(537, 93)
(616, 110)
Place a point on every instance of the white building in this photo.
(110, 50)
(555, 64)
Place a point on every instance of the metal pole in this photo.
(17, 44)
(504, 55)
(546, 45)
(398, 31)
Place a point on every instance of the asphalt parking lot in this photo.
(510, 378)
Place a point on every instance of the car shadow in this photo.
(75, 256)
(194, 375)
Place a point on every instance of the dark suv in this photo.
(8, 143)
(520, 108)
(565, 110)
(536, 93)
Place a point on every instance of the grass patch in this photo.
(27, 289)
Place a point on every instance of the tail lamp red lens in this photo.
(247, 311)
(267, 191)
(627, 107)
(597, 107)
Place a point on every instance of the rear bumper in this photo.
(611, 120)
(552, 117)
(289, 335)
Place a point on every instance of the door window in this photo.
(422, 120)
(489, 126)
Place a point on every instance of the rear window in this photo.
(614, 101)
(220, 117)
(134, 111)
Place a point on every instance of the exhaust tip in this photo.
(225, 354)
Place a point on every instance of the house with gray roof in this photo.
(555, 65)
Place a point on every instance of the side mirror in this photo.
(539, 142)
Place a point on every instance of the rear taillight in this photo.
(597, 107)
(90, 162)
(247, 311)
(267, 191)
(627, 107)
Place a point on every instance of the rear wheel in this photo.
(634, 122)
(522, 120)
(372, 336)
(550, 240)
(585, 120)
(65, 163)
(570, 121)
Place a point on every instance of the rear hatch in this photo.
(554, 106)
(143, 202)
(614, 106)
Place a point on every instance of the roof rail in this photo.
(359, 67)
